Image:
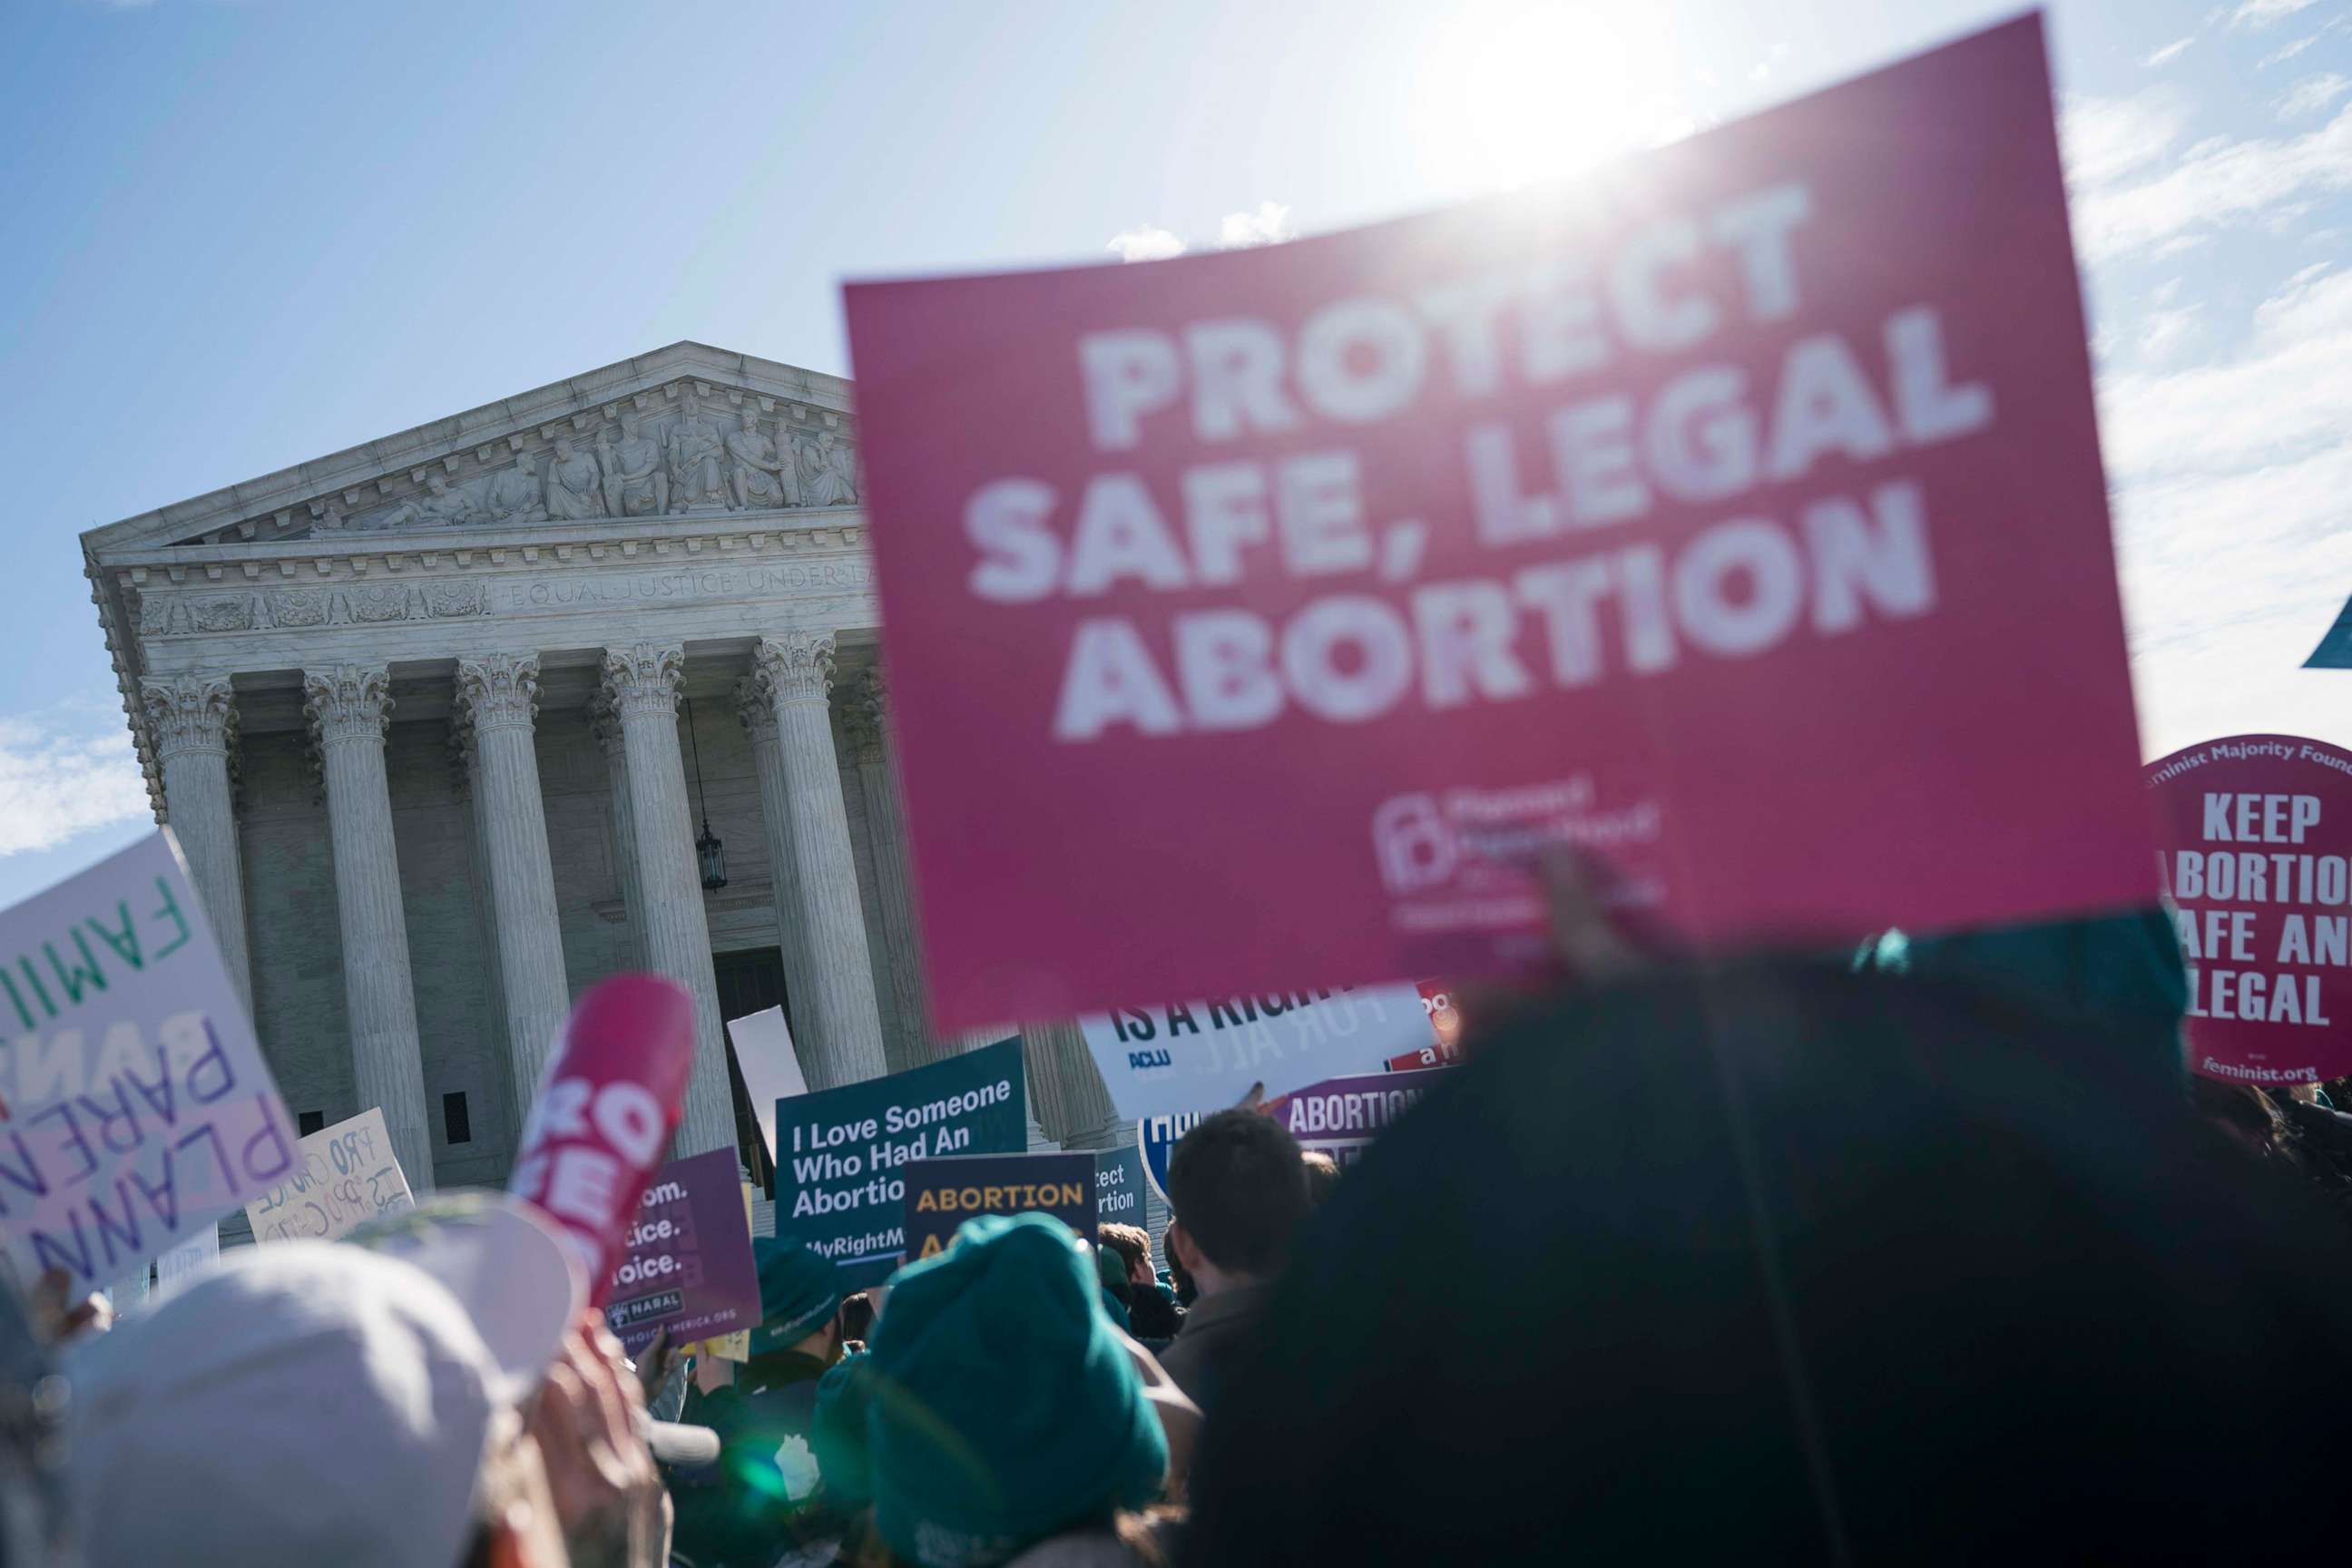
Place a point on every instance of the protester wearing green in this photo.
(766, 1496)
(1006, 1410)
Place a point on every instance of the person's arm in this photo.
(608, 1494)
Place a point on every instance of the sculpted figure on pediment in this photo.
(514, 494)
(694, 475)
(758, 477)
(828, 473)
(444, 507)
(635, 485)
(575, 486)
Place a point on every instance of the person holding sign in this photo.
(765, 1495)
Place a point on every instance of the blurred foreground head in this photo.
(1793, 1265)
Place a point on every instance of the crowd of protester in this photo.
(1937, 1257)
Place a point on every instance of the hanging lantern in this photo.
(709, 854)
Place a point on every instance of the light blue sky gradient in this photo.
(242, 236)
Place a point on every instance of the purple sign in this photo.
(1341, 1116)
(686, 1264)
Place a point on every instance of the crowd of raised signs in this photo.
(2014, 1239)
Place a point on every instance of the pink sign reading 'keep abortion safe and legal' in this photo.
(1734, 513)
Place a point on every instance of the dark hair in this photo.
(1239, 1191)
(856, 1318)
(1180, 1278)
(1132, 1243)
(1322, 1177)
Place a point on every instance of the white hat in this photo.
(307, 1401)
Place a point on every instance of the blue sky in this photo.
(238, 235)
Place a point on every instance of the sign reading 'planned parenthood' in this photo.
(1314, 587)
(134, 1107)
(2255, 836)
(841, 1153)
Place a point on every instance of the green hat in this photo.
(799, 1290)
(845, 1396)
(1004, 1408)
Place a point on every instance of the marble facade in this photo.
(415, 712)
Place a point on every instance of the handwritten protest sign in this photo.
(842, 1153)
(762, 1044)
(614, 1094)
(342, 1175)
(1118, 1186)
(687, 1264)
(1205, 1056)
(1683, 514)
(1342, 1117)
(135, 1109)
(943, 1193)
(2255, 836)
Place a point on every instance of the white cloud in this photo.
(2287, 53)
(1145, 242)
(1269, 225)
(2171, 51)
(2312, 96)
(2263, 13)
(1762, 70)
(65, 771)
(2105, 139)
(2231, 480)
(2166, 332)
(2216, 183)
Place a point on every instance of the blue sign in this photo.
(842, 1153)
(1155, 1139)
(943, 1193)
(2335, 649)
(1119, 1187)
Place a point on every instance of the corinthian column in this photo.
(191, 720)
(498, 695)
(1066, 1096)
(808, 855)
(641, 688)
(607, 727)
(348, 707)
(868, 722)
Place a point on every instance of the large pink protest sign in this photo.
(614, 1093)
(2255, 836)
(1736, 514)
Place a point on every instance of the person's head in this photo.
(1133, 1245)
(750, 420)
(1322, 1177)
(1178, 1276)
(564, 447)
(630, 423)
(856, 1318)
(1239, 1192)
(307, 1401)
(1004, 1410)
(800, 1300)
(1862, 1253)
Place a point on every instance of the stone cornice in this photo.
(367, 470)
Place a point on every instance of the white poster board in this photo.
(763, 1055)
(346, 1174)
(1206, 1056)
(135, 1109)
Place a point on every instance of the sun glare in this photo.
(1531, 92)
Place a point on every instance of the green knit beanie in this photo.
(1004, 1409)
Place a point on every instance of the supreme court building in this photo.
(436, 719)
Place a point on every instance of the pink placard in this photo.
(1736, 514)
(614, 1093)
(2256, 833)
